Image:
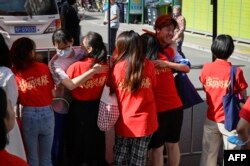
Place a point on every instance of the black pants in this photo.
(179, 48)
(113, 32)
(85, 143)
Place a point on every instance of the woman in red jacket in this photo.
(133, 80)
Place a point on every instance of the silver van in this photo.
(36, 19)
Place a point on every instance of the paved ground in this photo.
(192, 40)
(194, 47)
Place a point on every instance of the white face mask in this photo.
(64, 53)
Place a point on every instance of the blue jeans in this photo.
(38, 131)
(58, 141)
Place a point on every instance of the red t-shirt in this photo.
(92, 88)
(138, 116)
(245, 111)
(215, 79)
(166, 95)
(35, 85)
(7, 159)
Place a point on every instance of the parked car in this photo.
(36, 19)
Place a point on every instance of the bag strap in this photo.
(233, 71)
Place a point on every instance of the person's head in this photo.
(223, 46)
(176, 10)
(93, 44)
(62, 41)
(71, 2)
(23, 53)
(112, 2)
(4, 53)
(170, 10)
(129, 48)
(151, 46)
(7, 119)
(164, 28)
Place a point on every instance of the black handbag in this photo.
(186, 90)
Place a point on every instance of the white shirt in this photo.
(8, 83)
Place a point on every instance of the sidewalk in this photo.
(202, 42)
(192, 40)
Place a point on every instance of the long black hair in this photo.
(99, 51)
(151, 46)
(3, 115)
(5, 53)
(129, 48)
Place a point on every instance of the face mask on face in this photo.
(64, 53)
(175, 14)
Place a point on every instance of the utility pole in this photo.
(215, 8)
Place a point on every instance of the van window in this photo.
(27, 7)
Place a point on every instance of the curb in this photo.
(237, 54)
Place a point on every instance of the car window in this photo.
(28, 7)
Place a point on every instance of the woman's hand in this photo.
(98, 68)
(160, 63)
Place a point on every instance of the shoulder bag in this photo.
(231, 104)
(108, 109)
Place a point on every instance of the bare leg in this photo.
(157, 156)
(173, 154)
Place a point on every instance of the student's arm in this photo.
(77, 81)
(242, 130)
(176, 66)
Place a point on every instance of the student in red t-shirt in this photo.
(35, 86)
(215, 79)
(65, 56)
(158, 47)
(7, 121)
(85, 141)
(133, 80)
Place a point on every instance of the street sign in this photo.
(136, 7)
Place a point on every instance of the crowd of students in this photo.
(60, 100)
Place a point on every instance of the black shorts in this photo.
(170, 123)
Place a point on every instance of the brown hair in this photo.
(21, 53)
(164, 20)
(129, 48)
